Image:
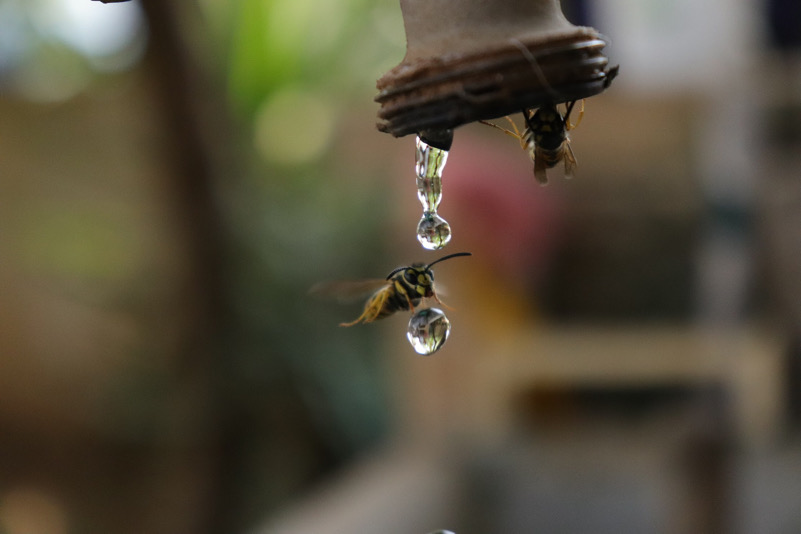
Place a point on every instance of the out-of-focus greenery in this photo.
(329, 48)
(294, 72)
(51, 50)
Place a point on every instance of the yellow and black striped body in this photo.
(545, 137)
(547, 141)
(406, 287)
(545, 130)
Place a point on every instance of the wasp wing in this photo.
(345, 291)
(539, 169)
(570, 160)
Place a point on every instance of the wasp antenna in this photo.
(448, 257)
(399, 269)
(527, 118)
(536, 66)
(569, 108)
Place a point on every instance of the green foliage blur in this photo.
(299, 204)
(300, 76)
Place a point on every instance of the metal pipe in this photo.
(469, 60)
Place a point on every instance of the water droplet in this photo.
(428, 330)
(433, 232)
(429, 163)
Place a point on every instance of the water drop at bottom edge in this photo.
(428, 330)
(433, 232)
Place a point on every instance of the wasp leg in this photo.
(436, 297)
(515, 134)
(409, 302)
(570, 160)
(371, 310)
(518, 133)
(568, 124)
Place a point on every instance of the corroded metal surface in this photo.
(445, 92)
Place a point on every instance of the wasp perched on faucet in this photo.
(545, 137)
(403, 289)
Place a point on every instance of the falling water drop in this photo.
(431, 154)
(433, 232)
(428, 330)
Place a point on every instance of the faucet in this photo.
(470, 60)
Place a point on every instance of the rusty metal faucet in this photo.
(470, 60)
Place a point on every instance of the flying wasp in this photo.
(403, 289)
(545, 137)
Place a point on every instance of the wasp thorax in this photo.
(428, 330)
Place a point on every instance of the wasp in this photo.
(403, 289)
(545, 137)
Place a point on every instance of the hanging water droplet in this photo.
(428, 330)
(433, 232)
(429, 162)
(431, 154)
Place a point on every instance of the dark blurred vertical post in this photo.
(708, 461)
(184, 94)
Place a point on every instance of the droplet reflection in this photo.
(433, 232)
(428, 330)
(429, 163)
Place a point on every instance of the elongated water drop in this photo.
(428, 330)
(433, 232)
(429, 162)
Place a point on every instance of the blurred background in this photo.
(174, 176)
